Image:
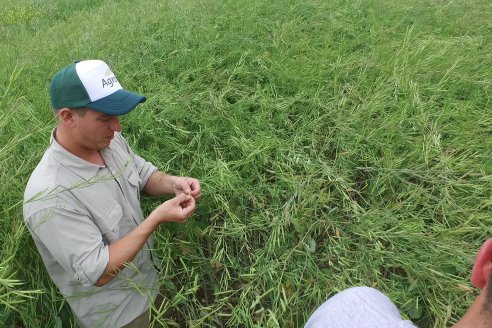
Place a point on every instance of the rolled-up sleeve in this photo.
(72, 240)
(143, 167)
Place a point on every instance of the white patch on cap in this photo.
(97, 79)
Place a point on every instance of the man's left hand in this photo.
(187, 185)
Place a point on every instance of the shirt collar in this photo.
(75, 164)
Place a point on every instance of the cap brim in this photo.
(118, 103)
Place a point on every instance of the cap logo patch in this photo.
(109, 79)
(109, 82)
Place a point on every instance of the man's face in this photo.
(94, 130)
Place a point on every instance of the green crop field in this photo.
(338, 143)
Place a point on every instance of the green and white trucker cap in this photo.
(91, 84)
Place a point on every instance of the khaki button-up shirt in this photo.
(74, 209)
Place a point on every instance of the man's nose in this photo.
(115, 124)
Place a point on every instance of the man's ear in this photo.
(483, 265)
(66, 115)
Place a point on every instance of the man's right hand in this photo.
(177, 209)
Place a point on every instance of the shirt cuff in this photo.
(89, 270)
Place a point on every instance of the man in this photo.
(366, 307)
(82, 202)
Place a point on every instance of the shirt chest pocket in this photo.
(109, 224)
(134, 182)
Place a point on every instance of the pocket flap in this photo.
(109, 224)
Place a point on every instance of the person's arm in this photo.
(160, 183)
(124, 250)
(157, 183)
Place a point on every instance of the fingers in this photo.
(195, 188)
(185, 186)
(181, 198)
(189, 186)
(188, 206)
(186, 202)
